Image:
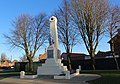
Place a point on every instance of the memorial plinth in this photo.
(51, 66)
(51, 52)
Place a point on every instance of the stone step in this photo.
(52, 68)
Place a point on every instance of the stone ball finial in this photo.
(53, 19)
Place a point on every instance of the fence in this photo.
(100, 64)
(24, 66)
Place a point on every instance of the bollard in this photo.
(77, 71)
(67, 75)
(22, 74)
(80, 68)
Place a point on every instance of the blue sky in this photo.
(9, 9)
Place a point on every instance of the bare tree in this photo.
(29, 34)
(113, 23)
(90, 17)
(66, 31)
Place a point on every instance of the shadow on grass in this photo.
(108, 76)
(8, 74)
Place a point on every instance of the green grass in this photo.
(108, 76)
(9, 74)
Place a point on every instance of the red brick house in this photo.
(108, 54)
(116, 40)
(43, 57)
(75, 56)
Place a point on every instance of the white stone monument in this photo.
(53, 65)
(53, 48)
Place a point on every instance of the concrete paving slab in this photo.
(80, 79)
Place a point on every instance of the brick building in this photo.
(116, 40)
(75, 56)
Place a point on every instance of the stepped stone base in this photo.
(51, 68)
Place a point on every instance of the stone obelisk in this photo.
(53, 65)
(54, 38)
(53, 51)
(53, 30)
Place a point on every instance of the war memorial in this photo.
(53, 65)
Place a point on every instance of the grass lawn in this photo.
(108, 76)
(9, 74)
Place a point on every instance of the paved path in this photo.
(49, 80)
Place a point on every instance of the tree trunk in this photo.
(92, 60)
(68, 49)
(69, 61)
(31, 65)
(92, 54)
(113, 54)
